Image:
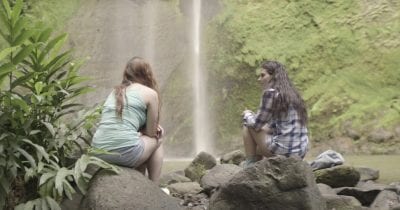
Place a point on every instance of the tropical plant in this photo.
(38, 84)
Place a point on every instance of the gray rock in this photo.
(365, 196)
(338, 176)
(171, 178)
(68, 204)
(395, 207)
(325, 189)
(180, 189)
(367, 173)
(234, 157)
(127, 190)
(395, 186)
(218, 175)
(385, 200)
(274, 183)
(200, 164)
(200, 201)
(342, 202)
(371, 185)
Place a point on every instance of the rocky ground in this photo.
(275, 183)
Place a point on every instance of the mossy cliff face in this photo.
(343, 56)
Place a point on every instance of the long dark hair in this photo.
(288, 94)
(136, 70)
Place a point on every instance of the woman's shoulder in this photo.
(145, 92)
(141, 88)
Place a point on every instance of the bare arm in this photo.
(152, 114)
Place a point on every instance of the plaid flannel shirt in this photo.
(289, 136)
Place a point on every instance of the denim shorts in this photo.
(125, 156)
(277, 148)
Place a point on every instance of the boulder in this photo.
(386, 200)
(234, 157)
(218, 175)
(171, 178)
(365, 196)
(180, 189)
(127, 190)
(395, 186)
(338, 176)
(274, 183)
(200, 164)
(371, 185)
(326, 189)
(367, 173)
(342, 202)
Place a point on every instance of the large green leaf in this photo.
(44, 36)
(22, 80)
(45, 177)
(42, 203)
(16, 11)
(61, 176)
(68, 189)
(41, 152)
(19, 25)
(16, 102)
(46, 189)
(52, 203)
(50, 128)
(7, 51)
(7, 8)
(52, 45)
(25, 51)
(22, 37)
(4, 75)
(5, 35)
(27, 156)
(61, 60)
(6, 68)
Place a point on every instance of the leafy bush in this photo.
(38, 85)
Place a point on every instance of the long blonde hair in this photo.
(137, 70)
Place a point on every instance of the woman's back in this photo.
(115, 132)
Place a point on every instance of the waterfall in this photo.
(201, 120)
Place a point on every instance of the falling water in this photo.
(201, 124)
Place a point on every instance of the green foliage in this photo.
(38, 85)
(342, 56)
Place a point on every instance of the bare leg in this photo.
(259, 137)
(249, 144)
(154, 164)
(151, 158)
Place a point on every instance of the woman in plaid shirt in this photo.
(280, 125)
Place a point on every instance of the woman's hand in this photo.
(160, 132)
(246, 112)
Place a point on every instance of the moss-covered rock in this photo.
(338, 176)
(200, 164)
